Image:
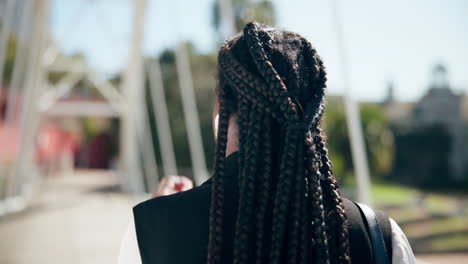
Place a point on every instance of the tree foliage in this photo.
(245, 11)
(377, 136)
(10, 54)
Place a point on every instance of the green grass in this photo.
(437, 203)
(382, 193)
(436, 226)
(405, 203)
(405, 213)
(456, 242)
(392, 194)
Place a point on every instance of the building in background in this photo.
(431, 135)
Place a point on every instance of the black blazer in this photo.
(174, 229)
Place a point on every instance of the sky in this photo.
(398, 41)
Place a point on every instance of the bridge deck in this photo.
(75, 219)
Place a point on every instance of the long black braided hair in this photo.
(290, 208)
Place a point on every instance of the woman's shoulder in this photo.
(359, 240)
(395, 239)
(167, 223)
(177, 201)
(168, 214)
(402, 252)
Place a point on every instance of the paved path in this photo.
(444, 259)
(70, 222)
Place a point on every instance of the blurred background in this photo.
(99, 99)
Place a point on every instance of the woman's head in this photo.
(290, 209)
(284, 55)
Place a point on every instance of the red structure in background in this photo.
(53, 141)
(99, 151)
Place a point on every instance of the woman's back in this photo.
(174, 229)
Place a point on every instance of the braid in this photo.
(282, 197)
(336, 217)
(268, 72)
(336, 214)
(217, 194)
(264, 194)
(247, 147)
(247, 192)
(244, 82)
(290, 209)
(242, 120)
(319, 239)
(304, 242)
(294, 228)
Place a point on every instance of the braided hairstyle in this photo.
(290, 208)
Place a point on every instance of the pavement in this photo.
(443, 259)
(76, 219)
(80, 218)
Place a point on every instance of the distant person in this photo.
(272, 197)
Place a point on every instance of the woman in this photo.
(272, 197)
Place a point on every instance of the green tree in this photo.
(377, 135)
(10, 54)
(245, 11)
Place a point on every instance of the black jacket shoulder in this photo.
(174, 228)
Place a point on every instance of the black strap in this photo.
(375, 233)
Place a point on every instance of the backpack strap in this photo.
(386, 227)
(375, 233)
